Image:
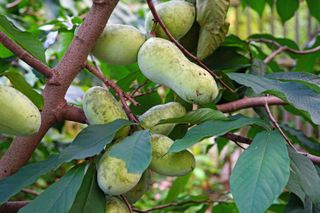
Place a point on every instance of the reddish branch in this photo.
(122, 95)
(241, 139)
(249, 102)
(158, 20)
(22, 148)
(25, 56)
(12, 206)
(283, 48)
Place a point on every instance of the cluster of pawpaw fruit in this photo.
(112, 174)
(162, 63)
(158, 58)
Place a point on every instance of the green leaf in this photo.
(295, 205)
(211, 17)
(224, 208)
(135, 150)
(21, 84)
(209, 41)
(92, 140)
(300, 96)
(309, 79)
(25, 176)
(261, 173)
(196, 117)
(287, 8)
(26, 40)
(306, 174)
(60, 195)
(4, 52)
(257, 5)
(314, 8)
(89, 197)
(310, 144)
(214, 128)
(178, 186)
(293, 186)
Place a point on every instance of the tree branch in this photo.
(25, 56)
(66, 70)
(241, 139)
(73, 113)
(12, 206)
(283, 48)
(121, 95)
(249, 102)
(157, 19)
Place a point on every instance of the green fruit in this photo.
(151, 117)
(138, 191)
(100, 107)
(119, 44)
(18, 115)
(163, 63)
(169, 164)
(115, 205)
(178, 17)
(113, 176)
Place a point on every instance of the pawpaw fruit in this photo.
(142, 187)
(169, 164)
(101, 107)
(115, 205)
(151, 117)
(178, 17)
(18, 115)
(119, 44)
(163, 63)
(113, 176)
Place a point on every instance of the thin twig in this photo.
(127, 203)
(122, 95)
(149, 91)
(173, 204)
(25, 56)
(283, 48)
(158, 20)
(138, 88)
(29, 191)
(275, 123)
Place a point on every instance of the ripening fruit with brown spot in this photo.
(100, 107)
(119, 44)
(163, 63)
(151, 117)
(115, 205)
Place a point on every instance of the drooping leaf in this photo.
(26, 40)
(312, 80)
(196, 117)
(295, 205)
(89, 198)
(209, 42)
(91, 140)
(310, 144)
(214, 128)
(177, 187)
(60, 195)
(306, 174)
(293, 186)
(300, 96)
(25, 176)
(135, 150)
(211, 15)
(261, 173)
(314, 8)
(257, 5)
(20, 84)
(287, 8)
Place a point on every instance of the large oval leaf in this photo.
(261, 173)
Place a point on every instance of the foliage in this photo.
(269, 175)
